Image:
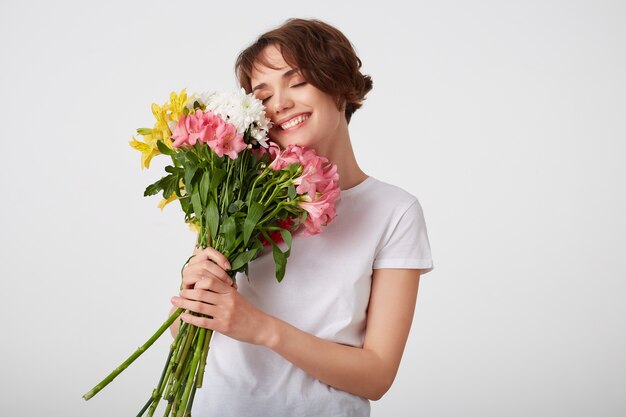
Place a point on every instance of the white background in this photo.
(505, 119)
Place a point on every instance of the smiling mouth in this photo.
(294, 122)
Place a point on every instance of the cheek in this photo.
(330, 117)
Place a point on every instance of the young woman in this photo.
(330, 336)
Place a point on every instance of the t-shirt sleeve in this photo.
(406, 245)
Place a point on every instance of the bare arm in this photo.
(367, 372)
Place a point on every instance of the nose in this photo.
(282, 101)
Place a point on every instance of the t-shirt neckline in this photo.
(363, 184)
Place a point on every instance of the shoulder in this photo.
(378, 202)
(392, 197)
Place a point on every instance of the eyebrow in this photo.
(285, 76)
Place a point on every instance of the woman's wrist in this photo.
(270, 337)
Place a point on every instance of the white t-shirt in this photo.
(325, 292)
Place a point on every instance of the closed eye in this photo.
(264, 100)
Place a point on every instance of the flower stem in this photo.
(205, 352)
(167, 409)
(156, 395)
(145, 407)
(134, 356)
(190, 402)
(192, 371)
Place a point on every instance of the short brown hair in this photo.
(325, 57)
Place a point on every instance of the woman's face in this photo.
(301, 113)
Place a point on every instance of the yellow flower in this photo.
(148, 151)
(194, 227)
(161, 129)
(176, 105)
(166, 201)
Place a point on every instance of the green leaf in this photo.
(174, 170)
(197, 205)
(170, 185)
(229, 228)
(184, 203)
(190, 172)
(153, 189)
(280, 262)
(215, 160)
(255, 211)
(204, 186)
(164, 149)
(243, 259)
(235, 207)
(216, 179)
(212, 217)
(180, 159)
(192, 158)
(205, 151)
(286, 235)
(291, 191)
(280, 257)
(167, 183)
(255, 194)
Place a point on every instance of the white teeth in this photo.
(295, 121)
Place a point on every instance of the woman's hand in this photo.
(207, 289)
(207, 263)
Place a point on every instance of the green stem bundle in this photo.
(134, 356)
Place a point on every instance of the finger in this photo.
(195, 306)
(203, 296)
(193, 273)
(214, 285)
(196, 257)
(216, 271)
(216, 256)
(197, 250)
(204, 269)
(190, 279)
(207, 323)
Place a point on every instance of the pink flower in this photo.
(320, 210)
(283, 158)
(317, 185)
(227, 141)
(317, 172)
(316, 175)
(195, 127)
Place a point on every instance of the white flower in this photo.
(203, 98)
(260, 136)
(244, 111)
(241, 109)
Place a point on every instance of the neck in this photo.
(340, 152)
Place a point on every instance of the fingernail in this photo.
(226, 265)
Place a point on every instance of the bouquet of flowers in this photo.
(241, 193)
